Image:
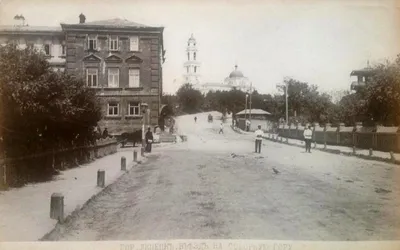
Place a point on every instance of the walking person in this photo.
(259, 136)
(195, 119)
(307, 138)
(149, 140)
(221, 128)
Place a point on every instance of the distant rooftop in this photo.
(30, 28)
(115, 22)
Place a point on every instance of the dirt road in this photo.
(214, 186)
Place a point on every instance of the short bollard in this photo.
(324, 145)
(354, 149)
(135, 156)
(392, 158)
(287, 140)
(123, 163)
(142, 151)
(57, 207)
(281, 138)
(101, 176)
(315, 144)
(370, 152)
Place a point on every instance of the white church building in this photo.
(191, 75)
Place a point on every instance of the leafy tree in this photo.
(42, 110)
(189, 99)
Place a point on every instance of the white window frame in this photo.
(92, 76)
(130, 105)
(115, 105)
(115, 42)
(134, 78)
(94, 39)
(133, 46)
(113, 78)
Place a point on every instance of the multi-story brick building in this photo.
(122, 60)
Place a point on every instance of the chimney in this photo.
(82, 18)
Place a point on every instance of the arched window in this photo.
(195, 68)
(188, 56)
(187, 69)
(194, 56)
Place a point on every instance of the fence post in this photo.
(370, 152)
(325, 145)
(142, 151)
(354, 149)
(57, 207)
(134, 155)
(315, 144)
(123, 163)
(101, 175)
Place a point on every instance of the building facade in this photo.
(361, 77)
(122, 60)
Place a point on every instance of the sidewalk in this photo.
(361, 153)
(25, 212)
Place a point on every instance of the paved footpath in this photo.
(214, 186)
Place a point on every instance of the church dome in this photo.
(192, 39)
(236, 73)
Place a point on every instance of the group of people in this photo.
(259, 133)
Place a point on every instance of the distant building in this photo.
(49, 40)
(192, 74)
(237, 80)
(192, 65)
(361, 77)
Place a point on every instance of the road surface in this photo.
(215, 187)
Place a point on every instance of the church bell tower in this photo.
(191, 66)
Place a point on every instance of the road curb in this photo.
(59, 226)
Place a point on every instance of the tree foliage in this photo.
(41, 109)
(189, 99)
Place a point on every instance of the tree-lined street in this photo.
(214, 186)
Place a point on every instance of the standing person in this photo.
(149, 140)
(105, 133)
(307, 137)
(221, 128)
(248, 125)
(195, 119)
(259, 134)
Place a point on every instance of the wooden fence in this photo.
(15, 172)
(378, 138)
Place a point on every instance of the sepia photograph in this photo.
(214, 124)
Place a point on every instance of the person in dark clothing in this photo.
(195, 119)
(105, 133)
(149, 140)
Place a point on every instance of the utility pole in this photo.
(286, 94)
(251, 84)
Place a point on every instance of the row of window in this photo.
(194, 69)
(114, 109)
(194, 56)
(92, 78)
(113, 44)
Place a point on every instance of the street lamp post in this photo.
(143, 107)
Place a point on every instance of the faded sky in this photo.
(315, 41)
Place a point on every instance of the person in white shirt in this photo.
(259, 135)
(307, 137)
